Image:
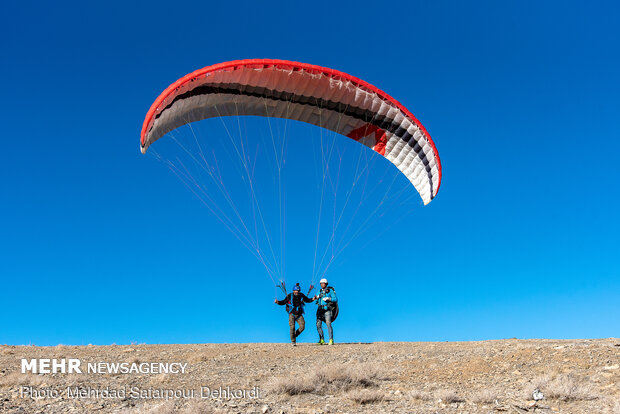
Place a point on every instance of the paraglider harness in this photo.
(290, 307)
(331, 306)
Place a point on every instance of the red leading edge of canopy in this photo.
(285, 64)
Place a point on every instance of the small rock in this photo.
(537, 395)
(264, 409)
(610, 367)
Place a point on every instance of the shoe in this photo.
(321, 342)
(331, 341)
(294, 343)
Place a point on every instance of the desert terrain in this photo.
(499, 376)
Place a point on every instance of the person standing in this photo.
(327, 301)
(295, 307)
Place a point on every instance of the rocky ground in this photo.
(572, 376)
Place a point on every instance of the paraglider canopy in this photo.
(317, 95)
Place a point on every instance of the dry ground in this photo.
(573, 376)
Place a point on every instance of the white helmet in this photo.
(323, 281)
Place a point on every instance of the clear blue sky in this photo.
(101, 244)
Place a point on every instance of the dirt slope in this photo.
(573, 376)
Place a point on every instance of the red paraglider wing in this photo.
(320, 96)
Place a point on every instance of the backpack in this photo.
(335, 310)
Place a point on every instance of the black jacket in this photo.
(296, 302)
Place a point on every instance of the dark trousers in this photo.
(292, 318)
